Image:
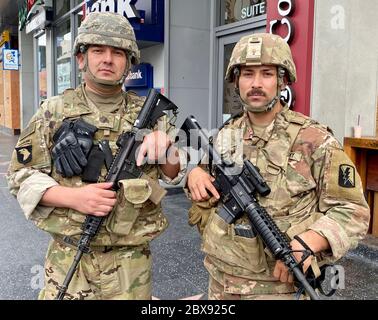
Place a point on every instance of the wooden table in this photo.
(364, 154)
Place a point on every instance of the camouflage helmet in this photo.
(262, 49)
(109, 29)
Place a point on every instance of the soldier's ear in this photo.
(285, 82)
(236, 82)
(80, 60)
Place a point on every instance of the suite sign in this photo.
(238, 10)
(253, 10)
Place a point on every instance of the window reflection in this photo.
(231, 101)
(61, 7)
(63, 47)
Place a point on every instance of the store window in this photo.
(78, 20)
(239, 10)
(42, 76)
(63, 56)
(61, 7)
(231, 101)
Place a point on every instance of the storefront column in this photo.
(50, 66)
(25, 42)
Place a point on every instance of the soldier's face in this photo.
(258, 85)
(105, 62)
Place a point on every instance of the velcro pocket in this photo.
(247, 253)
(131, 197)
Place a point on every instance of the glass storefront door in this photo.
(78, 17)
(227, 100)
(63, 56)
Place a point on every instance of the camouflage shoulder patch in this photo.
(340, 178)
(24, 154)
(347, 176)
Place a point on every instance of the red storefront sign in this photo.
(294, 21)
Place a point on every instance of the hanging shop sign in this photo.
(39, 20)
(10, 59)
(35, 14)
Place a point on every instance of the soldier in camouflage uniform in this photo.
(316, 192)
(119, 264)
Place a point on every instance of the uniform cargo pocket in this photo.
(234, 250)
(76, 216)
(132, 195)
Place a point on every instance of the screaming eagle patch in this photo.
(347, 176)
(24, 154)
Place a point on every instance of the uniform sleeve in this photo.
(164, 125)
(182, 172)
(341, 200)
(28, 174)
(29, 186)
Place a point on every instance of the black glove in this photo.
(73, 141)
(84, 133)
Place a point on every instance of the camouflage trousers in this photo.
(115, 273)
(224, 286)
(217, 292)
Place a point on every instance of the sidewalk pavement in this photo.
(178, 270)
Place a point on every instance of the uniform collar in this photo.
(281, 120)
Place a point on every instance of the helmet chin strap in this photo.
(103, 83)
(270, 105)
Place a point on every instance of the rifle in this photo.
(238, 187)
(122, 167)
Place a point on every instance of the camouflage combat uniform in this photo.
(314, 186)
(119, 266)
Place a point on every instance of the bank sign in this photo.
(140, 76)
(146, 16)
